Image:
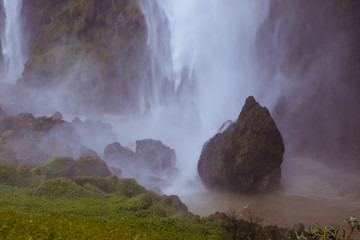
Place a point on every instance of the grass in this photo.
(95, 208)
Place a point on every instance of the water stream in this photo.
(12, 42)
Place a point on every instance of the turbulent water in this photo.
(12, 42)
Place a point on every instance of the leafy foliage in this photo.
(61, 208)
(67, 167)
(17, 176)
(330, 233)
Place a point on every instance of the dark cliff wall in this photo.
(313, 46)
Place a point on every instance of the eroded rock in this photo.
(247, 155)
(152, 164)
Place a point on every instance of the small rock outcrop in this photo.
(27, 140)
(115, 152)
(57, 116)
(246, 156)
(155, 155)
(89, 128)
(152, 164)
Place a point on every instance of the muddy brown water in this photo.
(310, 193)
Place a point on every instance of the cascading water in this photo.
(205, 50)
(12, 42)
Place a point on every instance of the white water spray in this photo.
(12, 42)
(205, 51)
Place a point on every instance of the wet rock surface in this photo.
(246, 156)
(152, 163)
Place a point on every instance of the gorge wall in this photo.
(301, 59)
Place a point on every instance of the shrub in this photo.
(105, 184)
(332, 233)
(62, 187)
(91, 166)
(59, 167)
(67, 167)
(17, 176)
(129, 187)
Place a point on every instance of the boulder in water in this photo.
(247, 155)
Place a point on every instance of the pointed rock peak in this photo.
(246, 156)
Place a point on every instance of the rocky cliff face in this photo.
(246, 157)
(90, 49)
(314, 47)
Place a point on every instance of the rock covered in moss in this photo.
(68, 167)
(91, 166)
(29, 140)
(86, 42)
(17, 176)
(62, 187)
(245, 157)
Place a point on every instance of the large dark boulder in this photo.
(245, 157)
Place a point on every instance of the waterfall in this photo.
(202, 56)
(206, 49)
(12, 42)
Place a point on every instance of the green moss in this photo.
(129, 187)
(67, 167)
(62, 187)
(17, 176)
(170, 206)
(91, 166)
(6, 135)
(70, 34)
(58, 167)
(107, 184)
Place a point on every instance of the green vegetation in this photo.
(330, 233)
(95, 207)
(91, 207)
(91, 43)
(68, 167)
(17, 176)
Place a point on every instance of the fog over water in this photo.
(206, 57)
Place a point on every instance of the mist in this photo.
(191, 71)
